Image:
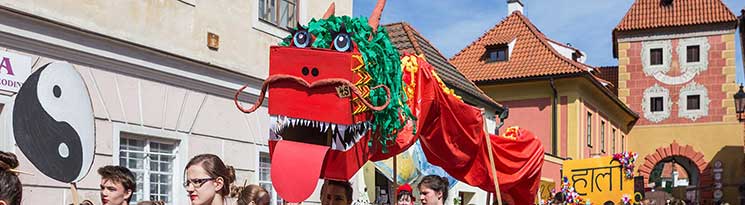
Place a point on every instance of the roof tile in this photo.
(531, 56)
(645, 14)
(408, 40)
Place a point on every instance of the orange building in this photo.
(676, 68)
(549, 90)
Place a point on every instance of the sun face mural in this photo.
(341, 96)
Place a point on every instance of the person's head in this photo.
(405, 195)
(253, 195)
(336, 193)
(117, 185)
(433, 190)
(207, 179)
(10, 185)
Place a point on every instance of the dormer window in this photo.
(497, 53)
(575, 56)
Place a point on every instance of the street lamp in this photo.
(740, 103)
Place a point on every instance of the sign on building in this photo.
(599, 179)
(14, 69)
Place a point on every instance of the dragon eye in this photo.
(301, 39)
(342, 42)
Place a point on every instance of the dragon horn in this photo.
(374, 19)
(330, 11)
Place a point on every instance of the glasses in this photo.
(197, 182)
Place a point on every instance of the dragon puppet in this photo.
(341, 95)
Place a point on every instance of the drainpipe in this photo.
(554, 117)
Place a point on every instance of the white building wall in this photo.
(149, 73)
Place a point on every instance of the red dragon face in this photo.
(314, 127)
(321, 116)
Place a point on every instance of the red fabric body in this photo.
(453, 137)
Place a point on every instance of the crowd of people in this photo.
(207, 182)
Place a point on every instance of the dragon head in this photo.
(336, 93)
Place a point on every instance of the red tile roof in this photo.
(531, 56)
(409, 40)
(610, 74)
(645, 14)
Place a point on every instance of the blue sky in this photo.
(452, 25)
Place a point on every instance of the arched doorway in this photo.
(675, 169)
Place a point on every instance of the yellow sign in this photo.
(598, 179)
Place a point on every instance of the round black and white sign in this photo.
(53, 122)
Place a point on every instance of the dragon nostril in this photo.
(314, 72)
(305, 70)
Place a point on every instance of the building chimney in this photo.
(514, 5)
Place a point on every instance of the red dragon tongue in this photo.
(296, 168)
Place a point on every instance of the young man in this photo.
(336, 193)
(117, 185)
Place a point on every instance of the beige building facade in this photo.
(160, 94)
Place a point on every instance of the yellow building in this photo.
(676, 68)
(549, 90)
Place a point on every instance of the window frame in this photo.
(589, 129)
(652, 58)
(613, 140)
(496, 49)
(602, 136)
(257, 178)
(697, 100)
(276, 31)
(653, 103)
(690, 55)
(181, 151)
(277, 14)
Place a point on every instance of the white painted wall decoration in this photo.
(667, 58)
(703, 62)
(656, 91)
(693, 88)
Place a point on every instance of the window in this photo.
(575, 56)
(280, 13)
(693, 102)
(265, 179)
(589, 129)
(151, 161)
(613, 140)
(496, 53)
(692, 54)
(655, 55)
(656, 104)
(602, 136)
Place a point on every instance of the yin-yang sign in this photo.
(53, 122)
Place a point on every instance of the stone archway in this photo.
(673, 150)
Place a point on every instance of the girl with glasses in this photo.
(208, 180)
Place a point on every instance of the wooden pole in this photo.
(74, 192)
(491, 160)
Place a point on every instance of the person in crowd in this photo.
(336, 193)
(405, 195)
(117, 185)
(10, 186)
(433, 190)
(208, 180)
(253, 195)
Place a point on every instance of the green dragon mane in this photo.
(382, 62)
